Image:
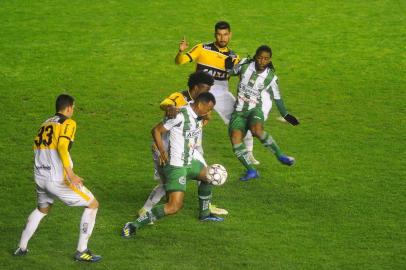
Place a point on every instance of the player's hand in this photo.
(229, 63)
(171, 111)
(183, 45)
(163, 158)
(76, 180)
(291, 119)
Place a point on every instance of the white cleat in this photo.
(252, 159)
(217, 211)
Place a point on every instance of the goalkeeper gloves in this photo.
(291, 119)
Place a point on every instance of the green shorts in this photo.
(176, 177)
(244, 120)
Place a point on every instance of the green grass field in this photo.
(341, 66)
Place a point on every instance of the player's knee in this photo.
(173, 208)
(44, 209)
(256, 132)
(236, 138)
(94, 204)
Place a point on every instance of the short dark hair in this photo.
(222, 25)
(63, 101)
(205, 97)
(265, 48)
(199, 77)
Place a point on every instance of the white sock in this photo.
(86, 227)
(32, 224)
(249, 141)
(156, 195)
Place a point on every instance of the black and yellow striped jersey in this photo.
(209, 58)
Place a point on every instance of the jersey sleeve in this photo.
(66, 137)
(175, 99)
(170, 123)
(273, 88)
(190, 56)
(195, 52)
(68, 130)
(275, 93)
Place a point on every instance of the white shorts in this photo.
(224, 100)
(66, 192)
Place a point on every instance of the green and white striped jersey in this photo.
(184, 132)
(252, 84)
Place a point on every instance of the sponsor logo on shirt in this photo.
(192, 133)
(43, 167)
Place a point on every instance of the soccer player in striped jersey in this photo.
(198, 82)
(256, 77)
(54, 177)
(180, 163)
(217, 59)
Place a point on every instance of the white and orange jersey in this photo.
(51, 148)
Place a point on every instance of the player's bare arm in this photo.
(183, 45)
(157, 133)
(63, 146)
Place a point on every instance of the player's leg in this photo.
(224, 102)
(73, 195)
(44, 202)
(198, 171)
(175, 186)
(159, 191)
(268, 142)
(237, 129)
(249, 144)
(198, 156)
(174, 204)
(154, 197)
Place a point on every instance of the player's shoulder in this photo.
(209, 46)
(245, 61)
(175, 95)
(69, 121)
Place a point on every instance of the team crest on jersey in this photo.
(182, 180)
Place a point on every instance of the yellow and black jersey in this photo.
(177, 99)
(209, 58)
(51, 147)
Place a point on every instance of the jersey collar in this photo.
(192, 112)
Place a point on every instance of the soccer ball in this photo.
(216, 174)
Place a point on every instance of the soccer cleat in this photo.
(251, 174)
(128, 230)
(286, 160)
(212, 217)
(86, 256)
(20, 252)
(252, 159)
(217, 211)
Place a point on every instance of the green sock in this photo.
(242, 154)
(204, 192)
(157, 212)
(270, 144)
